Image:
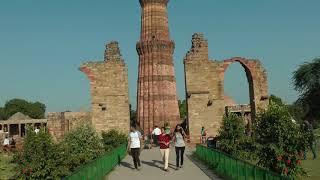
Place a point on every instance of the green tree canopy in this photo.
(35, 110)
(275, 99)
(183, 108)
(280, 141)
(233, 140)
(133, 116)
(306, 80)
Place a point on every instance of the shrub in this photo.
(280, 141)
(35, 162)
(233, 139)
(113, 139)
(43, 159)
(80, 146)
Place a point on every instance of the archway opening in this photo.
(238, 93)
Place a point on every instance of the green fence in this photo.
(101, 166)
(233, 168)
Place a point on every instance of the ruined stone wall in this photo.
(109, 91)
(205, 87)
(59, 123)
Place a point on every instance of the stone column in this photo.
(157, 94)
(19, 127)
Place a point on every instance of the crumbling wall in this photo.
(205, 87)
(59, 123)
(109, 91)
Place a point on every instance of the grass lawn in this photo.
(6, 167)
(312, 166)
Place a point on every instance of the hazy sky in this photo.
(43, 42)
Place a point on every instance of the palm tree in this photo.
(306, 80)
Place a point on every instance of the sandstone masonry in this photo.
(109, 91)
(205, 87)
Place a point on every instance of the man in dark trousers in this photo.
(134, 146)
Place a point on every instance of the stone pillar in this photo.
(19, 127)
(9, 129)
(157, 94)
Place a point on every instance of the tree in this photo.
(232, 138)
(133, 116)
(35, 162)
(183, 108)
(3, 115)
(275, 99)
(280, 141)
(306, 80)
(34, 110)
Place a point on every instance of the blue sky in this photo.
(42, 43)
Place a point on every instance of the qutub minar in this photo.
(157, 93)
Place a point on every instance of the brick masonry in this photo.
(109, 91)
(205, 87)
(157, 93)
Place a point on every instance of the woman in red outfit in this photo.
(164, 142)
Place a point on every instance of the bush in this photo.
(113, 139)
(80, 146)
(280, 141)
(233, 139)
(43, 159)
(35, 162)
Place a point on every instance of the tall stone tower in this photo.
(157, 94)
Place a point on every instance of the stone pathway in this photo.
(152, 168)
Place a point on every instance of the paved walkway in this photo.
(152, 168)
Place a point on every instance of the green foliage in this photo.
(306, 80)
(80, 146)
(41, 158)
(34, 110)
(35, 162)
(183, 108)
(113, 139)
(275, 99)
(297, 112)
(3, 114)
(232, 138)
(7, 166)
(280, 141)
(133, 116)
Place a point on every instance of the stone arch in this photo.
(256, 78)
(204, 84)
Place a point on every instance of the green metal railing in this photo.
(233, 168)
(101, 166)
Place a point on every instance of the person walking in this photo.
(203, 135)
(308, 129)
(155, 134)
(179, 143)
(135, 145)
(164, 142)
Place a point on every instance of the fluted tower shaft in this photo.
(157, 93)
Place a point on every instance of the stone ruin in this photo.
(205, 87)
(109, 91)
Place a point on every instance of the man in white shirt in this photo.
(6, 144)
(155, 134)
(135, 145)
(6, 141)
(36, 130)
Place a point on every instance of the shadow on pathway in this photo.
(152, 168)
